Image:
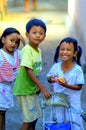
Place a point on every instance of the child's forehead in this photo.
(13, 35)
(67, 44)
(37, 27)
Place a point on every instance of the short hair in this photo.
(35, 22)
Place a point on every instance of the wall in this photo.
(76, 22)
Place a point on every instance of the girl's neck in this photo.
(8, 52)
(66, 66)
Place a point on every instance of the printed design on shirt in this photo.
(37, 67)
(8, 73)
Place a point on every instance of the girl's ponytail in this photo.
(79, 53)
(56, 54)
(1, 44)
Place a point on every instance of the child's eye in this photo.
(68, 49)
(61, 49)
(41, 33)
(34, 32)
(12, 40)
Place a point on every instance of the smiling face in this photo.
(10, 42)
(67, 52)
(36, 35)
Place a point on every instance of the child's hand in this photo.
(61, 81)
(46, 93)
(52, 79)
(22, 39)
(38, 91)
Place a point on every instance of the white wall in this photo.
(76, 22)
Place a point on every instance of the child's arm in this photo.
(52, 79)
(65, 84)
(37, 82)
(22, 39)
(74, 87)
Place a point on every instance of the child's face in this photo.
(36, 35)
(10, 42)
(66, 52)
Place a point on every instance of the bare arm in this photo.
(38, 83)
(66, 85)
(22, 39)
(52, 79)
(74, 87)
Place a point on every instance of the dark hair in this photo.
(76, 48)
(7, 32)
(35, 22)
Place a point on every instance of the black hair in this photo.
(7, 32)
(76, 48)
(35, 22)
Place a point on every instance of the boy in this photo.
(27, 83)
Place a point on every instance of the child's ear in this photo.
(44, 36)
(75, 53)
(3, 40)
(26, 34)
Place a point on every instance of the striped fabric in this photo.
(7, 70)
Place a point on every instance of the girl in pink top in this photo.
(9, 63)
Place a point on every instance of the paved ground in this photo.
(54, 15)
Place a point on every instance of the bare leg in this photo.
(24, 126)
(34, 4)
(26, 5)
(29, 126)
(32, 125)
(2, 120)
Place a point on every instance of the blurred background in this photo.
(70, 13)
(62, 17)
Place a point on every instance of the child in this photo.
(27, 5)
(27, 83)
(9, 63)
(67, 77)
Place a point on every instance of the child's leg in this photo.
(32, 125)
(29, 126)
(24, 126)
(26, 5)
(34, 4)
(77, 122)
(2, 120)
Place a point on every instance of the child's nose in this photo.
(38, 34)
(65, 51)
(14, 44)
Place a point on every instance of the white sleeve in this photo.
(80, 77)
(52, 71)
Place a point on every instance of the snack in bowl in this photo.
(61, 79)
